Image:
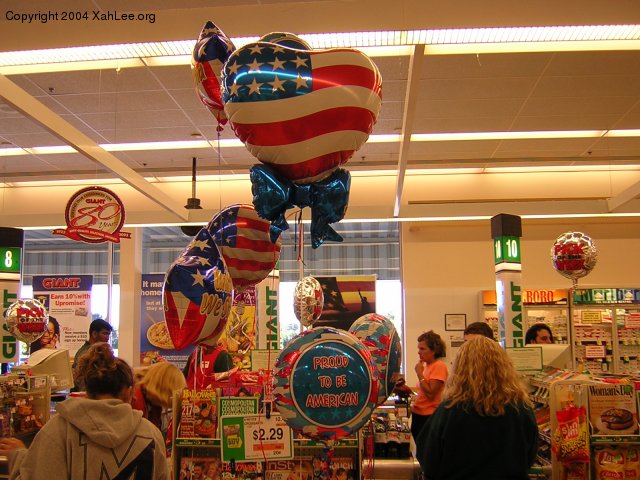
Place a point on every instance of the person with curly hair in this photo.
(538, 333)
(153, 392)
(485, 426)
(99, 436)
(432, 373)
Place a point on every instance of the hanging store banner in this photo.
(155, 342)
(268, 312)
(9, 290)
(94, 215)
(346, 298)
(67, 298)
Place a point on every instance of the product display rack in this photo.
(346, 451)
(606, 329)
(539, 306)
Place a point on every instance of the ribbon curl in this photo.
(273, 194)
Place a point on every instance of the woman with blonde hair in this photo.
(154, 389)
(485, 426)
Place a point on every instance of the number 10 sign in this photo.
(253, 438)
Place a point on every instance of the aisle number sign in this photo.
(10, 260)
(251, 438)
(506, 249)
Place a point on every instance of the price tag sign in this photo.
(253, 438)
(591, 316)
(594, 351)
(632, 320)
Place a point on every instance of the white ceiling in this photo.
(509, 92)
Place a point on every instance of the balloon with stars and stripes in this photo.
(379, 335)
(197, 294)
(244, 242)
(303, 112)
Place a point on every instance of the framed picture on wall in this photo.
(455, 321)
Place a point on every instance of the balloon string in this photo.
(300, 236)
(219, 133)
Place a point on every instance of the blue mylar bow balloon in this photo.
(273, 195)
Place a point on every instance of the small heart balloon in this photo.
(308, 300)
(245, 244)
(26, 319)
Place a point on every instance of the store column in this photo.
(11, 244)
(506, 231)
(130, 297)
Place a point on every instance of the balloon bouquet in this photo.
(301, 112)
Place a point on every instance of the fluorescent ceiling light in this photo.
(440, 41)
(544, 134)
(68, 182)
(416, 137)
(563, 168)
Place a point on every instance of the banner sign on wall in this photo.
(9, 290)
(67, 299)
(155, 342)
(268, 312)
(94, 215)
(346, 298)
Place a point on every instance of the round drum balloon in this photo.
(308, 300)
(26, 319)
(574, 255)
(381, 338)
(324, 384)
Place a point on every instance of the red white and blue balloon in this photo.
(324, 385)
(197, 294)
(304, 112)
(379, 335)
(212, 49)
(244, 241)
(308, 301)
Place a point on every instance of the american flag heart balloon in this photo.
(302, 111)
(197, 294)
(243, 239)
(212, 49)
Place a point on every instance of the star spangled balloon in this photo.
(197, 294)
(323, 384)
(379, 335)
(211, 50)
(304, 112)
(244, 241)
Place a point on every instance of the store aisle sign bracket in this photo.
(94, 215)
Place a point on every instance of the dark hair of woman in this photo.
(434, 342)
(104, 373)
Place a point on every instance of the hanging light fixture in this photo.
(193, 203)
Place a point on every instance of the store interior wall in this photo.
(445, 267)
